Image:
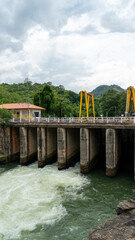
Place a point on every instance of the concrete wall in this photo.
(68, 145)
(32, 144)
(51, 138)
(9, 144)
(73, 145)
(5, 145)
(32, 140)
(89, 148)
(28, 145)
(14, 143)
(94, 146)
(47, 146)
(1, 140)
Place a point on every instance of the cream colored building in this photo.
(23, 110)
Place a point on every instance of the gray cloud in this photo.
(61, 62)
(6, 42)
(17, 16)
(114, 23)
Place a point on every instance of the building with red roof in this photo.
(23, 110)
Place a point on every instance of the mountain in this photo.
(103, 88)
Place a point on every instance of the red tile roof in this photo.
(21, 106)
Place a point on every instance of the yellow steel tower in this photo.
(87, 100)
(130, 99)
(92, 99)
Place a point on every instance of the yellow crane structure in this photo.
(87, 101)
(130, 99)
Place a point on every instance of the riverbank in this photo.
(121, 227)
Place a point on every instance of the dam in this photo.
(67, 142)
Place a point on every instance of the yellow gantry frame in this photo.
(92, 99)
(130, 97)
(87, 100)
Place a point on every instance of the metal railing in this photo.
(77, 120)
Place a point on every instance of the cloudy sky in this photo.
(80, 44)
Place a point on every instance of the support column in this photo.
(112, 155)
(84, 150)
(23, 146)
(41, 147)
(61, 148)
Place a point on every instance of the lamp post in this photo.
(27, 81)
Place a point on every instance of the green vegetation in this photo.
(109, 100)
(113, 103)
(5, 115)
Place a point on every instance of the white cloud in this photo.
(76, 23)
(37, 44)
(79, 44)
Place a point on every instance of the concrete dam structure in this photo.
(110, 144)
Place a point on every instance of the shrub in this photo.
(5, 115)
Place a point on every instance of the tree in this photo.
(5, 115)
(44, 97)
(109, 103)
(62, 107)
(121, 103)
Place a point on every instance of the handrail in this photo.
(77, 120)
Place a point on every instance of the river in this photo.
(49, 204)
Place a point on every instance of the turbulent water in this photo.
(49, 204)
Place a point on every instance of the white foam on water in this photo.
(30, 196)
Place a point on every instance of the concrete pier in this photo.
(84, 150)
(61, 148)
(41, 147)
(28, 145)
(112, 152)
(23, 146)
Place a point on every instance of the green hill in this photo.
(103, 88)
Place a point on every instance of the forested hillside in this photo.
(103, 88)
(61, 102)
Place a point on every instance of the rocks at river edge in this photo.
(121, 227)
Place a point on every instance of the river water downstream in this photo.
(49, 204)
